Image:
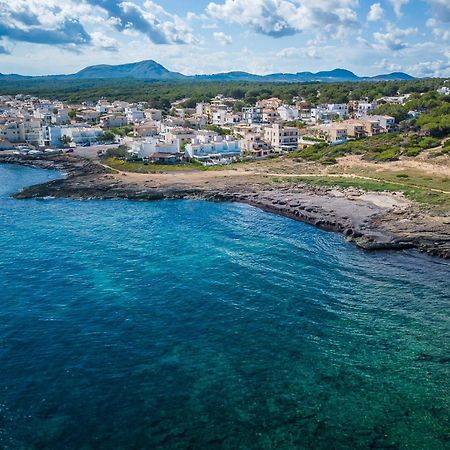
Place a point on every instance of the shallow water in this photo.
(188, 324)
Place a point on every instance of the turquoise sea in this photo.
(196, 325)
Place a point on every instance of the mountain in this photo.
(151, 70)
(393, 76)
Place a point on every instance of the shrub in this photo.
(413, 151)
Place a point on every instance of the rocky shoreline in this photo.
(372, 221)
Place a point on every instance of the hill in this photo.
(151, 70)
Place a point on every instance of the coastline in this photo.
(372, 221)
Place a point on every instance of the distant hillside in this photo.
(151, 70)
(144, 70)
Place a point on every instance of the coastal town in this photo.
(215, 132)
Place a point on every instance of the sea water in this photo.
(189, 324)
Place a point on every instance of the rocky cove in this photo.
(372, 221)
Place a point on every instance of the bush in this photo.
(429, 142)
(412, 151)
(389, 154)
(119, 152)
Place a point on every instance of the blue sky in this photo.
(204, 36)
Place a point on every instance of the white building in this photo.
(444, 90)
(81, 135)
(252, 115)
(61, 117)
(208, 147)
(281, 138)
(134, 115)
(387, 123)
(220, 117)
(12, 132)
(329, 111)
(288, 113)
(148, 147)
(364, 107)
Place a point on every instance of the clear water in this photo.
(187, 324)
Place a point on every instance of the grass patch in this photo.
(420, 194)
(141, 167)
(382, 148)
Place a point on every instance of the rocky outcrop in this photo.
(372, 222)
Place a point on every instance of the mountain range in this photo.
(151, 70)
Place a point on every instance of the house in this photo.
(444, 90)
(148, 147)
(82, 135)
(145, 130)
(269, 103)
(371, 127)
(112, 121)
(269, 115)
(153, 114)
(334, 134)
(288, 113)
(179, 137)
(387, 123)
(87, 116)
(12, 132)
(281, 138)
(220, 117)
(134, 115)
(61, 117)
(355, 128)
(364, 107)
(399, 99)
(252, 115)
(329, 111)
(102, 107)
(254, 146)
(208, 147)
(203, 109)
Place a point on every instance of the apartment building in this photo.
(281, 138)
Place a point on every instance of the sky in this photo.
(39, 37)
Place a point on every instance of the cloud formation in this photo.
(440, 9)
(41, 23)
(376, 12)
(280, 18)
(397, 5)
(151, 20)
(222, 38)
(67, 22)
(393, 38)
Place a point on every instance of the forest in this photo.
(162, 94)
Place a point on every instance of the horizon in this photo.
(206, 74)
(365, 37)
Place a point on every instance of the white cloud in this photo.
(393, 38)
(103, 42)
(278, 18)
(388, 66)
(151, 20)
(67, 22)
(376, 12)
(397, 5)
(292, 52)
(440, 9)
(222, 38)
(437, 68)
(438, 32)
